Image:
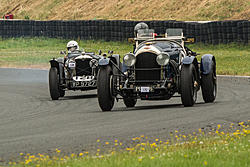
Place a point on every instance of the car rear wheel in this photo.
(189, 85)
(209, 86)
(129, 102)
(104, 88)
(54, 83)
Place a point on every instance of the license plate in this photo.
(144, 89)
(84, 83)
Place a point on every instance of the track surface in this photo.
(31, 122)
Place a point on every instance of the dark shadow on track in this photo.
(79, 97)
(150, 107)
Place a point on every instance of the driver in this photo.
(72, 46)
(139, 26)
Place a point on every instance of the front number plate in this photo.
(144, 89)
(84, 83)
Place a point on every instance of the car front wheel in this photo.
(104, 88)
(209, 85)
(54, 83)
(189, 85)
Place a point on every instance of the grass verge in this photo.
(215, 148)
(232, 59)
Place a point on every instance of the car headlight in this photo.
(93, 63)
(163, 59)
(129, 59)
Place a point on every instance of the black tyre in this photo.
(189, 85)
(54, 83)
(129, 102)
(104, 88)
(209, 85)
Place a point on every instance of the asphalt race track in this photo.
(31, 122)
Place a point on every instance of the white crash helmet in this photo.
(72, 46)
(140, 26)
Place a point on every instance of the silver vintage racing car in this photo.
(77, 70)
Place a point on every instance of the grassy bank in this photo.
(127, 10)
(214, 148)
(232, 59)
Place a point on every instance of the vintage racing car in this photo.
(157, 69)
(77, 70)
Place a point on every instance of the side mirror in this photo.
(63, 52)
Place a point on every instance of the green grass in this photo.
(217, 148)
(232, 59)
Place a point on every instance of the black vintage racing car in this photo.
(76, 71)
(156, 70)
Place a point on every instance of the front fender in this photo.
(54, 63)
(206, 63)
(58, 63)
(188, 60)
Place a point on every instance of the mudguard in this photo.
(58, 63)
(115, 59)
(206, 63)
(188, 60)
(55, 62)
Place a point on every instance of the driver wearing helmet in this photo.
(140, 26)
(72, 46)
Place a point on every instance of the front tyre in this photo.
(129, 102)
(189, 85)
(209, 85)
(104, 88)
(54, 83)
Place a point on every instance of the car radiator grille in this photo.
(83, 68)
(146, 68)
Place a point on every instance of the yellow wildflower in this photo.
(58, 151)
(205, 163)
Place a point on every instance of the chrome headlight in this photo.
(129, 59)
(93, 63)
(163, 59)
